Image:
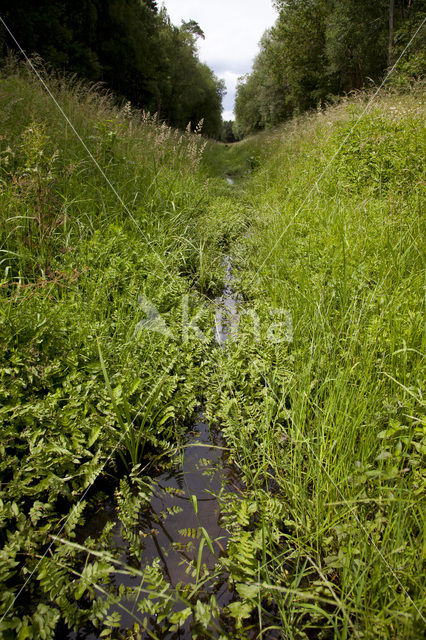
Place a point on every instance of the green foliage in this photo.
(328, 428)
(87, 392)
(228, 134)
(371, 158)
(129, 46)
(325, 428)
(411, 70)
(320, 49)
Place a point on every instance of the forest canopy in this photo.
(129, 45)
(323, 48)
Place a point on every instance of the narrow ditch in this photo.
(185, 498)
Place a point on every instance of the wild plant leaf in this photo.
(239, 611)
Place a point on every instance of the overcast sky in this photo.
(233, 29)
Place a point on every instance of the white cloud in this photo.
(228, 115)
(233, 29)
(231, 79)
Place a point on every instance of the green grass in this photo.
(332, 422)
(86, 392)
(327, 429)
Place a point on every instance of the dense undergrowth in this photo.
(321, 395)
(91, 247)
(318, 394)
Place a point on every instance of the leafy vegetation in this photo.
(85, 391)
(128, 45)
(319, 50)
(326, 421)
(106, 259)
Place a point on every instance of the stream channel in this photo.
(198, 477)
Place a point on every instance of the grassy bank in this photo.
(321, 395)
(108, 250)
(97, 240)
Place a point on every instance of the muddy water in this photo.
(185, 499)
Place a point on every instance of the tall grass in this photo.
(85, 233)
(326, 429)
(333, 422)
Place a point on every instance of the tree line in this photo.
(129, 45)
(323, 48)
